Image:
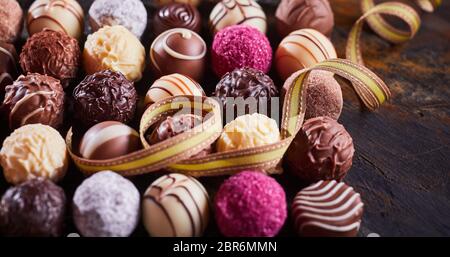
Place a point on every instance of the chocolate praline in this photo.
(33, 208)
(8, 66)
(176, 15)
(104, 95)
(34, 98)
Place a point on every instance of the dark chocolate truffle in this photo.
(249, 84)
(321, 150)
(8, 66)
(299, 14)
(51, 53)
(33, 208)
(105, 95)
(176, 15)
(11, 17)
(34, 98)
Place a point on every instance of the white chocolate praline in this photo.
(175, 205)
(233, 12)
(114, 48)
(246, 131)
(33, 151)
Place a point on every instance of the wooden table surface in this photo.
(402, 161)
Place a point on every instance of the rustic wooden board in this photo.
(402, 163)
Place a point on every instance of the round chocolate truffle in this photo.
(302, 49)
(323, 94)
(105, 96)
(33, 208)
(301, 14)
(327, 209)
(246, 131)
(240, 46)
(33, 151)
(109, 139)
(129, 13)
(8, 66)
(164, 2)
(178, 51)
(34, 98)
(64, 15)
(255, 87)
(172, 85)
(321, 150)
(233, 12)
(250, 204)
(176, 15)
(175, 205)
(106, 205)
(51, 53)
(11, 16)
(114, 48)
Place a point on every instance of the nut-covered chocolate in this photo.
(105, 95)
(51, 53)
(11, 17)
(321, 150)
(34, 98)
(176, 15)
(8, 66)
(33, 208)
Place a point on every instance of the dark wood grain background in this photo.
(402, 162)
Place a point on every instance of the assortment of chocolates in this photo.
(103, 108)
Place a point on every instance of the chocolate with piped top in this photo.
(176, 15)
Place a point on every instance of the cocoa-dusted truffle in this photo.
(33, 208)
(11, 16)
(176, 15)
(34, 98)
(321, 150)
(105, 95)
(51, 53)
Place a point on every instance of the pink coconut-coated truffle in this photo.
(240, 46)
(250, 204)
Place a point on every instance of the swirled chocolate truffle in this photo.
(176, 15)
(33, 208)
(51, 53)
(34, 98)
(8, 66)
(105, 95)
(11, 17)
(300, 14)
(321, 150)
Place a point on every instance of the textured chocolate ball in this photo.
(176, 15)
(33, 208)
(178, 51)
(51, 53)
(8, 66)
(34, 98)
(109, 139)
(300, 14)
(105, 95)
(11, 16)
(321, 150)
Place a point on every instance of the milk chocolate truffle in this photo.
(233, 12)
(172, 85)
(175, 205)
(106, 205)
(250, 130)
(11, 16)
(8, 66)
(52, 53)
(129, 13)
(321, 150)
(33, 151)
(164, 2)
(178, 51)
(105, 96)
(34, 98)
(59, 15)
(109, 139)
(302, 49)
(114, 48)
(327, 209)
(33, 208)
(176, 15)
(323, 94)
(301, 14)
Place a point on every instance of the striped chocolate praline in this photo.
(8, 66)
(109, 139)
(327, 209)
